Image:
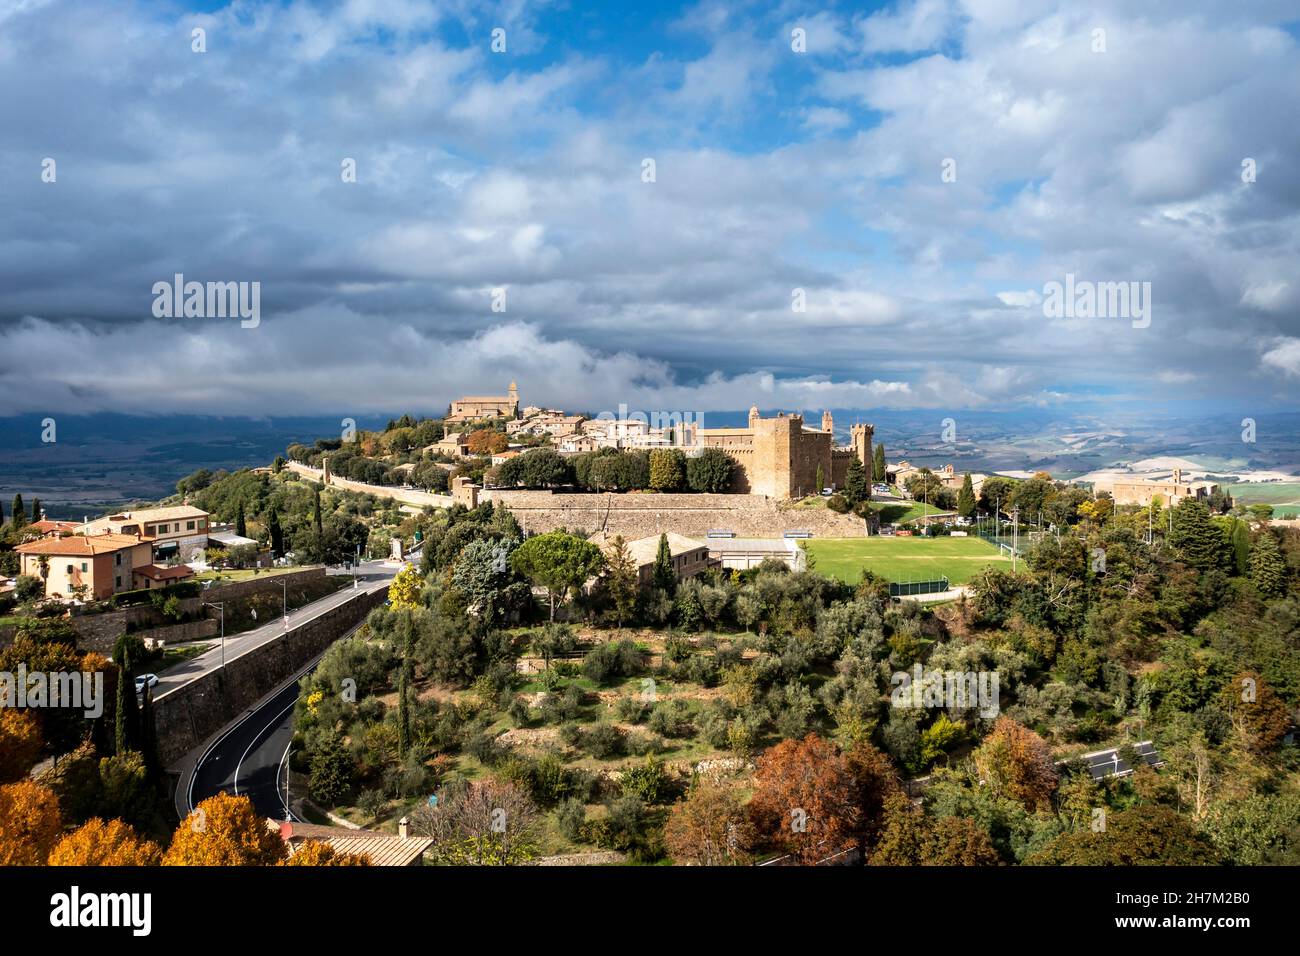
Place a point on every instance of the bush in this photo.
(570, 818)
(671, 719)
(571, 734)
(646, 781)
(630, 710)
(29, 588)
(606, 662)
(838, 503)
(640, 744)
(603, 741)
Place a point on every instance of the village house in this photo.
(690, 557)
(177, 532)
(87, 567)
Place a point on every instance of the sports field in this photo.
(903, 559)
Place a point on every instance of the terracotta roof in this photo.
(155, 573)
(383, 849)
(45, 526)
(81, 545)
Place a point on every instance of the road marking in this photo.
(258, 736)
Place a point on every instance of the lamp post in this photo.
(220, 606)
(284, 598)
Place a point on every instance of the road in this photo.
(251, 758)
(1106, 763)
(371, 575)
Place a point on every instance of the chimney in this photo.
(403, 829)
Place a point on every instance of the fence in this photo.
(912, 588)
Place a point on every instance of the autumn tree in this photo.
(875, 782)
(910, 838)
(29, 823)
(805, 800)
(406, 587)
(1016, 762)
(320, 853)
(20, 744)
(224, 830)
(486, 441)
(96, 843)
(709, 827)
(489, 822)
(1259, 717)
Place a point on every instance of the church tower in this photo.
(828, 423)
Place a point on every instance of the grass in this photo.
(905, 511)
(242, 574)
(175, 655)
(903, 559)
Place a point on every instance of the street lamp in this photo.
(220, 606)
(284, 598)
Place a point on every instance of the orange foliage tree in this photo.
(320, 853)
(20, 744)
(805, 800)
(224, 831)
(1259, 717)
(96, 843)
(29, 823)
(1015, 761)
(710, 827)
(486, 441)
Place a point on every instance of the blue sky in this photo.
(1113, 157)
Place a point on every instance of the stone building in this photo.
(1140, 491)
(779, 457)
(472, 407)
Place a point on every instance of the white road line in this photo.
(258, 736)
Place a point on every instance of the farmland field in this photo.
(903, 559)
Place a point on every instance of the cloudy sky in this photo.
(921, 171)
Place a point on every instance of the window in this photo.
(189, 526)
(84, 567)
(119, 559)
(163, 528)
(71, 570)
(118, 579)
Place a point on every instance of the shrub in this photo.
(640, 744)
(646, 781)
(630, 710)
(571, 734)
(607, 662)
(570, 818)
(603, 741)
(671, 719)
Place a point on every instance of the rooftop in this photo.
(81, 545)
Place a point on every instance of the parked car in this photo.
(145, 680)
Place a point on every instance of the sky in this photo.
(851, 205)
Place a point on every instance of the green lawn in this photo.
(903, 559)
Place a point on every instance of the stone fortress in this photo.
(779, 457)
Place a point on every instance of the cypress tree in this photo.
(966, 497)
(19, 515)
(878, 472)
(855, 482)
(36, 510)
(277, 535)
(241, 526)
(125, 734)
(665, 578)
(1267, 567)
(149, 738)
(821, 479)
(2, 512)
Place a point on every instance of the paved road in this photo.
(371, 575)
(250, 759)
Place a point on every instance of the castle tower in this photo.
(513, 392)
(753, 415)
(860, 442)
(828, 423)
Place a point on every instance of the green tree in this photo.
(1196, 538)
(709, 471)
(966, 497)
(241, 526)
(276, 533)
(1267, 567)
(821, 478)
(36, 510)
(558, 561)
(879, 467)
(331, 772)
(667, 469)
(665, 575)
(18, 512)
(126, 653)
(855, 482)
(1143, 834)
(621, 579)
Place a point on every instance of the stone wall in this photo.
(408, 496)
(189, 715)
(638, 515)
(179, 633)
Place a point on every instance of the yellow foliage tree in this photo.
(20, 744)
(406, 587)
(29, 823)
(224, 831)
(320, 853)
(96, 843)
